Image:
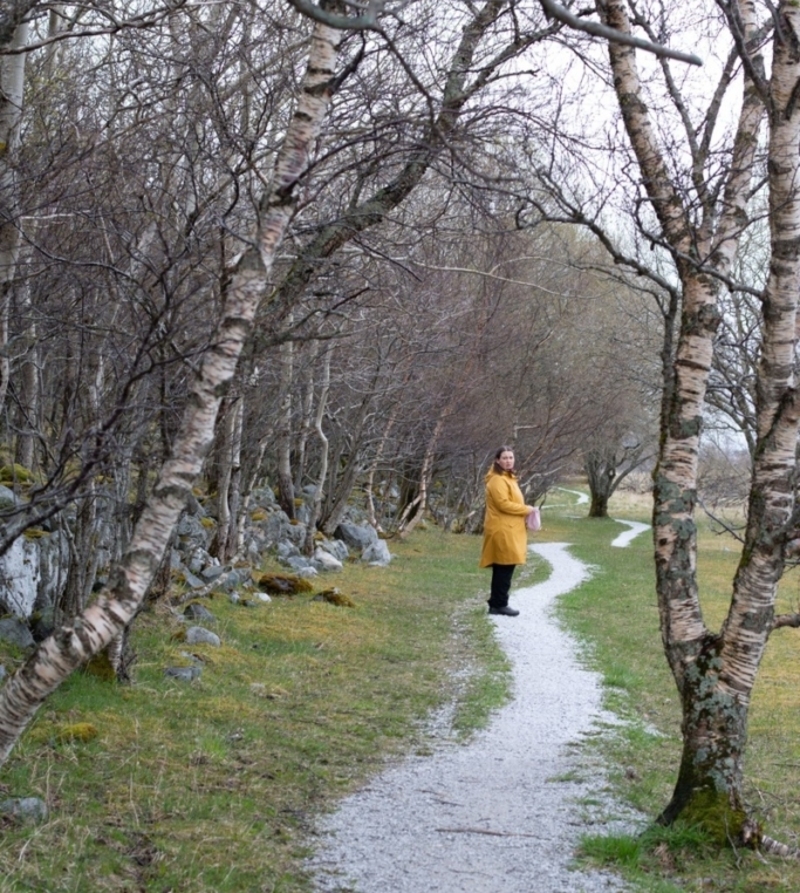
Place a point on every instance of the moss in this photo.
(34, 533)
(100, 666)
(283, 584)
(258, 515)
(15, 474)
(208, 523)
(335, 597)
(713, 813)
(79, 731)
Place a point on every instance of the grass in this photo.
(615, 616)
(214, 785)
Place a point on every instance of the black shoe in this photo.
(508, 612)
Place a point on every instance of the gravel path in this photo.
(501, 814)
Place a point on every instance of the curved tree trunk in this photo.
(95, 627)
(715, 673)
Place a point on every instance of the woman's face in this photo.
(506, 460)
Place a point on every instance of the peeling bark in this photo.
(97, 625)
(715, 673)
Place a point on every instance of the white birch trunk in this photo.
(95, 627)
(715, 673)
(316, 505)
(12, 83)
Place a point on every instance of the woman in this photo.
(505, 538)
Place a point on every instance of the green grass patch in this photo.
(615, 617)
(213, 785)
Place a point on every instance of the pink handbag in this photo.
(533, 521)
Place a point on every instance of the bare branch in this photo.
(366, 20)
(782, 621)
(597, 29)
(114, 26)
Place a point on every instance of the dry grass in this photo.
(213, 785)
(616, 612)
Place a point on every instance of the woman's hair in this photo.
(495, 465)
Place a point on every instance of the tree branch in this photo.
(367, 21)
(597, 29)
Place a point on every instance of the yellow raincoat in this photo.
(505, 537)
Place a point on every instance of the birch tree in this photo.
(699, 223)
(106, 617)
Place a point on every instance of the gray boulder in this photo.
(300, 564)
(337, 548)
(296, 533)
(198, 635)
(196, 611)
(356, 536)
(8, 498)
(191, 580)
(19, 577)
(16, 632)
(31, 809)
(286, 550)
(377, 554)
(325, 562)
(183, 674)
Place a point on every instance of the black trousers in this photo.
(501, 584)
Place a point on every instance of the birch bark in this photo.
(96, 626)
(12, 80)
(715, 673)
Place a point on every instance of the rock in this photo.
(324, 561)
(16, 632)
(232, 580)
(184, 674)
(198, 635)
(196, 559)
(286, 550)
(377, 554)
(283, 584)
(191, 580)
(296, 533)
(355, 536)
(301, 565)
(7, 498)
(335, 597)
(264, 498)
(214, 571)
(195, 611)
(19, 577)
(32, 809)
(337, 548)
(3, 672)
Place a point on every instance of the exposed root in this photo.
(776, 848)
(753, 838)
